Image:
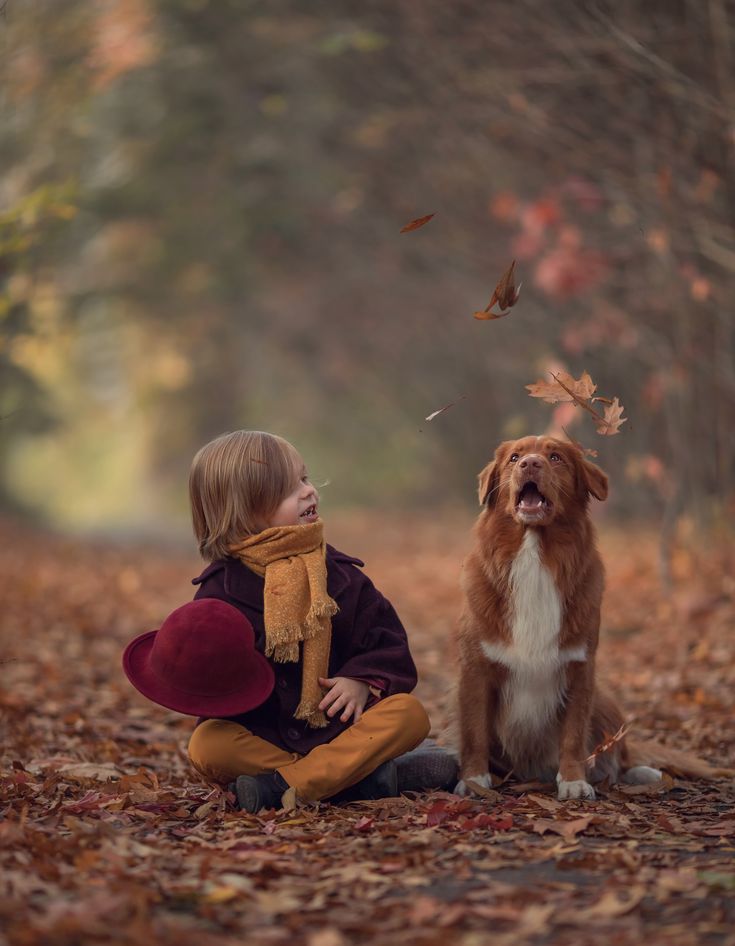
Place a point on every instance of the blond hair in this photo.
(236, 482)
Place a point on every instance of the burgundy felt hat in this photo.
(202, 661)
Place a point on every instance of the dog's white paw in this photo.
(579, 788)
(464, 788)
(641, 775)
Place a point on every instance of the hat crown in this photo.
(203, 648)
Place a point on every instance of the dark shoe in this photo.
(382, 783)
(427, 768)
(256, 792)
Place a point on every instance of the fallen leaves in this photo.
(107, 835)
(581, 392)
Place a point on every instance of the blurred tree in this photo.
(243, 171)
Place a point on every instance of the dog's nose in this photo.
(531, 462)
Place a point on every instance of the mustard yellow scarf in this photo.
(296, 606)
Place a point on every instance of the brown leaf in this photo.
(567, 829)
(482, 791)
(564, 388)
(545, 801)
(505, 294)
(610, 423)
(417, 223)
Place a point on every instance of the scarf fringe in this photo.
(318, 617)
(312, 714)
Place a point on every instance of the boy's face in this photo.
(301, 506)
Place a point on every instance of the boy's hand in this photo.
(344, 694)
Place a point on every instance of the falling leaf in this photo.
(611, 422)
(563, 387)
(445, 408)
(505, 294)
(417, 223)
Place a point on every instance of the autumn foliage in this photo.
(108, 836)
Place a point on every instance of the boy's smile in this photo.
(300, 507)
(310, 514)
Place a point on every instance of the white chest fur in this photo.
(534, 689)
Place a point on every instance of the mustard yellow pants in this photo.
(221, 750)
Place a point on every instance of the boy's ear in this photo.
(487, 491)
(594, 479)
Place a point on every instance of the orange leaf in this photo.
(505, 294)
(418, 222)
(610, 423)
(563, 388)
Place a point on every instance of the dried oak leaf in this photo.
(505, 294)
(563, 388)
(610, 423)
(417, 223)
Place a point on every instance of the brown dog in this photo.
(529, 628)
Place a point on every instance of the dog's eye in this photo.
(513, 457)
(555, 458)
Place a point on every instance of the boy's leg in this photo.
(391, 727)
(221, 750)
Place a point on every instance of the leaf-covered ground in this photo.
(107, 836)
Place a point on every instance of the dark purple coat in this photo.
(368, 643)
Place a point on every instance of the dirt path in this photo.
(106, 836)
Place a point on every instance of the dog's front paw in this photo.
(468, 785)
(579, 788)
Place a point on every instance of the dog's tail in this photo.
(673, 761)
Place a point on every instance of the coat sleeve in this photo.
(379, 653)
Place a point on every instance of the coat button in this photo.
(282, 683)
(293, 733)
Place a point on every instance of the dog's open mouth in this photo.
(531, 499)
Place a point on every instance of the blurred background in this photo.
(200, 206)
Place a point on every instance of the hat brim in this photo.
(255, 689)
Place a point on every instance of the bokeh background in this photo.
(200, 206)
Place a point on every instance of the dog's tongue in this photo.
(530, 497)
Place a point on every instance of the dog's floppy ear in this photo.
(487, 492)
(487, 482)
(593, 479)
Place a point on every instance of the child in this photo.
(340, 711)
